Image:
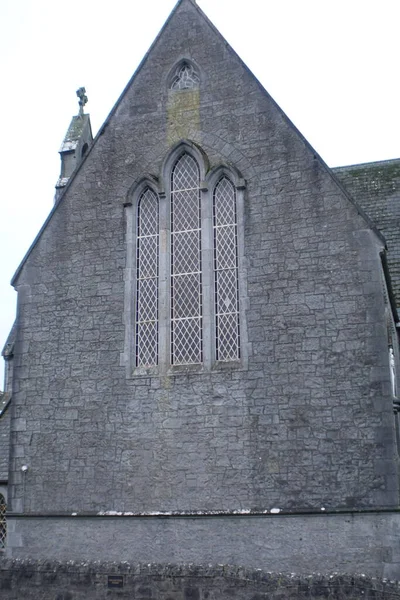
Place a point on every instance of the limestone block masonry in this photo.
(304, 424)
(326, 543)
(91, 581)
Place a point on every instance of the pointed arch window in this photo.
(147, 273)
(186, 272)
(186, 268)
(226, 281)
(3, 524)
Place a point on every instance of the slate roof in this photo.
(376, 188)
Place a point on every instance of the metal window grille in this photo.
(3, 524)
(227, 333)
(147, 280)
(186, 78)
(186, 276)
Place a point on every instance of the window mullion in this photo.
(164, 284)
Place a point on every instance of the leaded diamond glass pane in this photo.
(3, 524)
(187, 341)
(186, 248)
(228, 337)
(147, 214)
(186, 294)
(185, 210)
(186, 78)
(148, 250)
(185, 175)
(147, 344)
(225, 206)
(227, 297)
(225, 247)
(226, 272)
(147, 300)
(147, 280)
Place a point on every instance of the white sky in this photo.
(332, 65)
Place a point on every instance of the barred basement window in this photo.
(3, 524)
(186, 276)
(147, 280)
(226, 271)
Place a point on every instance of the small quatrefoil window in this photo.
(186, 78)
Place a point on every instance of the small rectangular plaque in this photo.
(115, 581)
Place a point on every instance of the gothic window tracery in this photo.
(186, 78)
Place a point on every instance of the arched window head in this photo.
(226, 280)
(186, 271)
(3, 524)
(186, 77)
(147, 266)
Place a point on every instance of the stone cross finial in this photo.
(83, 99)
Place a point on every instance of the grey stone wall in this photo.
(325, 543)
(72, 581)
(308, 423)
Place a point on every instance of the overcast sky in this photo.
(332, 65)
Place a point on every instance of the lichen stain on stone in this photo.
(74, 133)
(183, 115)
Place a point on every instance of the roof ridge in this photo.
(367, 164)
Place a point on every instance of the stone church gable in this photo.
(227, 81)
(203, 338)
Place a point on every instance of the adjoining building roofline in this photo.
(377, 163)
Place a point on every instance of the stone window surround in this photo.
(161, 186)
